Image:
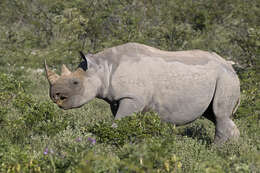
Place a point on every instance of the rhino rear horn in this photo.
(51, 76)
(65, 70)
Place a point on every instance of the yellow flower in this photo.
(18, 168)
(174, 158)
(31, 162)
(179, 165)
(141, 161)
(167, 165)
(38, 169)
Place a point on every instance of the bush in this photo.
(39, 117)
(131, 129)
(250, 94)
(58, 30)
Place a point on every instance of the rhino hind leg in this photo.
(225, 130)
(224, 103)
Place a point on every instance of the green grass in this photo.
(37, 136)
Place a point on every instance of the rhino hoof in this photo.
(231, 134)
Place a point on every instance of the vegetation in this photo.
(37, 136)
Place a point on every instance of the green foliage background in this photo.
(36, 136)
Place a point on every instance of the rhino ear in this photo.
(84, 64)
(87, 62)
(83, 56)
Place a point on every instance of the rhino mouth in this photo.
(66, 107)
(61, 100)
(67, 102)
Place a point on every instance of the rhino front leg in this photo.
(128, 106)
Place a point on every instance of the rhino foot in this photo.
(226, 130)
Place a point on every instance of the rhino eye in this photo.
(75, 82)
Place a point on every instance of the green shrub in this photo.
(39, 117)
(131, 129)
(58, 30)
(250, 93)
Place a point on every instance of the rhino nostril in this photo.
(59, 96)
(63, 97)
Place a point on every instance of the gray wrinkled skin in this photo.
(180, 86)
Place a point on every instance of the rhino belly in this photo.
(182, 105)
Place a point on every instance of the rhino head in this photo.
(73, 89)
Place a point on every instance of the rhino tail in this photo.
(231, 62)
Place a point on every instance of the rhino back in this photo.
(134, 52)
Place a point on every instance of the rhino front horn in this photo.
(51, 76)
(65, 70)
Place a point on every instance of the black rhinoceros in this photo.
(180, 86)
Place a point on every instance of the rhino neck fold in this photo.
(104, 73)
